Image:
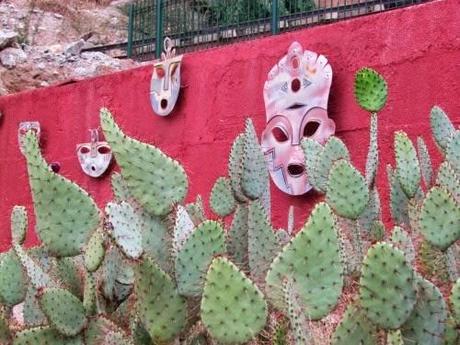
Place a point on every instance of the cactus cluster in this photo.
(147, 269)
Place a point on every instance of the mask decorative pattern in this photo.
(95, 156)
(296, 94)
(165, 84)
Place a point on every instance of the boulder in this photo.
(10, 57)
(7, 39)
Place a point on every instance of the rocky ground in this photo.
(42, 42)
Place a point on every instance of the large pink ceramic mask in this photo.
(296, 94)
(165, 83)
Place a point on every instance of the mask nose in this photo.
(296, 170)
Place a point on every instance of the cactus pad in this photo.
(44, 336)
(90, 295)
(297, 318)
(455, 301)
(145, 168)
(222, 201)
(387, 286)
(194, 258)
(95, 251)
(449, 179)
(425, 326)
(440, 218)
(370, 90)
(401, 240)
(13, 280)
(235, 167)
(453, 151)
(64, 311)
(18, 224)
(160, 308)
(119, 188)
(183, 228)
(398, 199)
(5, 335)
(237, 239)
(254, 174)
(65, 214)
(354, 328)
(312, 151)
(425, 161)
(37, 275)
(442, 127)
(347, 191)
(312, 260)
(407, 164)
(262, 242)
(372, 160)
(126, 228)
(232, 308)
(333, 150)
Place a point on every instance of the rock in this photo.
(7, 38)
(74, 48)
(10, 57)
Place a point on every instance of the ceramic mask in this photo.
(24, 127)
(165, 84)
(296, 95)
(95, 156)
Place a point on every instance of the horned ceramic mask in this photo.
(296, 95)
(95, 156)
(165, 84)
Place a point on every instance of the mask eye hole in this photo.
(280, 135)
(103, 150)
(310, 128)
(160, 72)
(84, 150)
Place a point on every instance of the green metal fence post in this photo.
(275, 17)
(129, 50)
(159, 28)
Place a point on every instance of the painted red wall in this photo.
(417, 49)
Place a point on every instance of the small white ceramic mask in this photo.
(296, 95)
(165, 83)
(95, 156)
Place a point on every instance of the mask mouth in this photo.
(164, 103)
(296, 170)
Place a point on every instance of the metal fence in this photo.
(199, 24)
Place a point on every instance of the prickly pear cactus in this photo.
(193, 260)
(312, 260)
(222, 201)
(65, 214)
(238, 237)
(232, 308)
(312, 151)
(453, 151)
(145, 168)
(161, 309)
(235, 167)
(296, 315)
(104, 331)
(64, 311)
(13, 280)
(254, 173)
(355, 328)
(455, 301)
(370, 90)
(95, 251)
(347, 191)
(442, 127)
(18, 224)
(126, 228)
(44, 335)
(387, 286)
(333, 150)
(262, 242)
(440, 218)
(407, 164)
(425, 326)
(401, 239)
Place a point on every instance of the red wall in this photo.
(417, 49)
